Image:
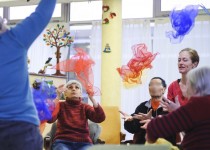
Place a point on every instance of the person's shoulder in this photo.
(174, 83)
(199, 99)
(143, 104)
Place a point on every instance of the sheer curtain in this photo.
(95, 53)
(165, 65)
(134, 32)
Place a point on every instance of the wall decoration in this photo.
(107, 49)
(107, 14)
(58, 37)
(112, 15)
(105, 21)
(105, 8)
(47, 63)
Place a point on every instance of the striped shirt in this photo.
(192, 118)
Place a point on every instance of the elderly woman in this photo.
(192, 118)
(72, 115)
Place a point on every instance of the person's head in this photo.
(187, 60)
(3, 27)
(198, 82)
(157, 87)
(73, 89)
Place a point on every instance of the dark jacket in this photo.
(134, 126)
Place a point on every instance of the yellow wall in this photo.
(112, 35)
(110, 79)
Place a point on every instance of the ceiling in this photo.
(31, 2)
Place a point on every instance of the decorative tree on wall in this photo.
(58, 37)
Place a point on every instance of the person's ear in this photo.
(195, 64)
(164, 89)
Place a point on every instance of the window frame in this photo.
(63, 17)
(158, 13)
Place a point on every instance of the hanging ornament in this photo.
(105, 8)
(106, 21)
(112, 15)
(107, 49)
(107, 14)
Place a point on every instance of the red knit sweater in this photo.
(174, 90)
(192, 118)
(72, 116)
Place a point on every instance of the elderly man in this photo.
(147, 110)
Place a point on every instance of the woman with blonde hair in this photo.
(188, 59)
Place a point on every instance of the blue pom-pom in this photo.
(44, 100)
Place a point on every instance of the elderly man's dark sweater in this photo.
(135, 127)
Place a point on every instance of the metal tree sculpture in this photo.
(58, 37)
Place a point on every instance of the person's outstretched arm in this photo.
(29, 29)
(168, 125)
(95, 113)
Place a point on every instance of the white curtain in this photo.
(95, 53)
(134, 32)
(39, 53)
(165, 65)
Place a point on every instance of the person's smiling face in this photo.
(185, 63)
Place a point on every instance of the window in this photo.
(21, 12)
(86, 11)
(1, 12)
(81, 33)
(137, 9)
(163, 7)
(167, 5)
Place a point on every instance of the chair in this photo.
(111, 126)
(94, 129)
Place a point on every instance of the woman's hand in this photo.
(169, 105)
(126, 117)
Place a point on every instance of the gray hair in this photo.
(74, 82)
(199, 81)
